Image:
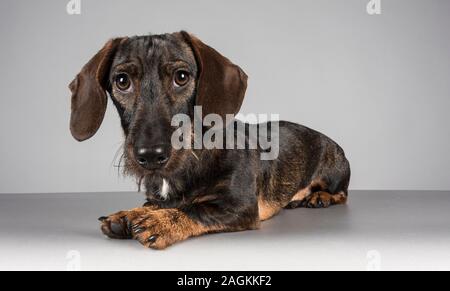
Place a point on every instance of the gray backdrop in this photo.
(379, 85)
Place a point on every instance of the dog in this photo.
(191, 192)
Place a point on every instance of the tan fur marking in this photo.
(340, 198)
(301, 195)
(325, 199)
(266, 210)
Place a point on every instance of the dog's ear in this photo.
(89, 97)
(222, 84)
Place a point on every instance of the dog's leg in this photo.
(161, 228)
(324, 200)
(152, 228)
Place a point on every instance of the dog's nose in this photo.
(153, 157)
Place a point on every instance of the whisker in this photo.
(195, 155)
(119, 165)
(116, 155)
(140, 183)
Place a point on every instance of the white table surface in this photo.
(387, 230)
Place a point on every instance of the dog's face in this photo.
(153, 78)
(150, 79)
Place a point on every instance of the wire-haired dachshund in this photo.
(192, 192)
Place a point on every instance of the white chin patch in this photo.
(165, 189)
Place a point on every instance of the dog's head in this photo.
(150, 79)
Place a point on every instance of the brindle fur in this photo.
(210, 190)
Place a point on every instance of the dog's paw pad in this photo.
(115, 226)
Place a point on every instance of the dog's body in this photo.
(194, 192)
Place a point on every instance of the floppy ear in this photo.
(222, 85)
(89, 97)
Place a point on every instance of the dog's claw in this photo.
(103, 219)
(320, 203)
(138, 230)
(128, 224)
(136, 226)
(152, 239)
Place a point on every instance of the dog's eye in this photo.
(181, 78)
(123, 82)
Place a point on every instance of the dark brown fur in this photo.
(210, 190)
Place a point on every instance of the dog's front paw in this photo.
(117, 226)
(157, 229)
